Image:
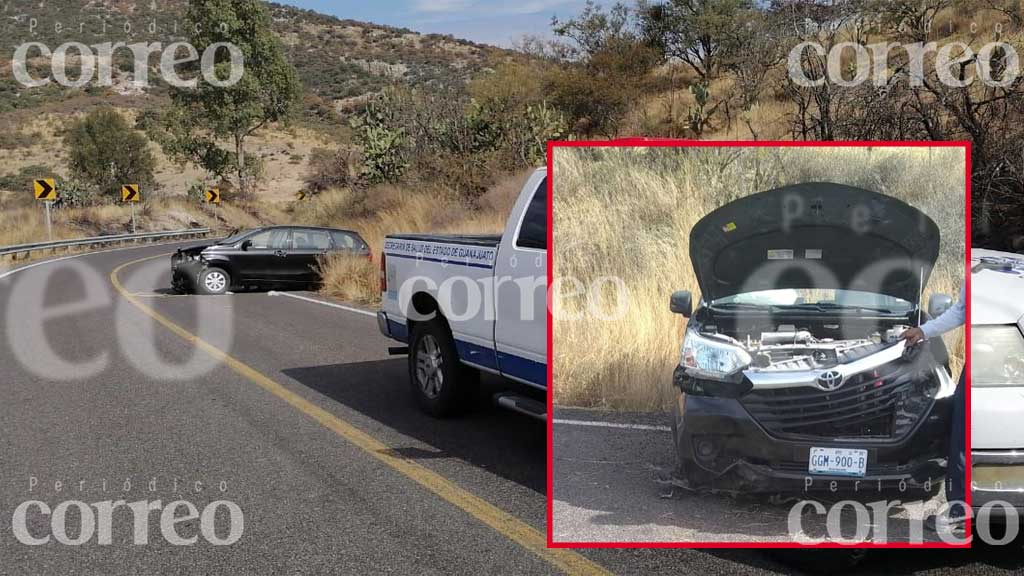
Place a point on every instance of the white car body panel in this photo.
(997, 298)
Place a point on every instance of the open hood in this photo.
(814, 235)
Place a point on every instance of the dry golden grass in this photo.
(350, 278)
(20, 225)
(392, 210)
(627, 213)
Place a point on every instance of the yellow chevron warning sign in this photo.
(130, 193)
(213, 196)
(45, 189)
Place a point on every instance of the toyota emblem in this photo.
(830, 380)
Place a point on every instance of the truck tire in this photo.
(214, 282)
(442, 385)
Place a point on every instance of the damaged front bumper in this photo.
(185, 271)
(760, 440)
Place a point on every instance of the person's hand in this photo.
(912, 336)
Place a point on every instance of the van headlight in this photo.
(712, 358)
(997, 356)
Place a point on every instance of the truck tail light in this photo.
(383, 273)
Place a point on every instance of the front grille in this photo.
(873, 404)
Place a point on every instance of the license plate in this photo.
(838, 461)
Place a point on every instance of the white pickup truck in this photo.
(465, 304)
(997, 380)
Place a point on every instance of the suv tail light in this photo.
(383, 273)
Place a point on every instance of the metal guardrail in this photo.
(99, 240)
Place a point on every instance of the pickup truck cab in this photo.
(997, 381)
(465, 304)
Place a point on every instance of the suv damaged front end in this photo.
(186, 266)
(792, 374)
(799, 410)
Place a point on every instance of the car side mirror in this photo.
(246, 245)
(682, 303)
(939, 303)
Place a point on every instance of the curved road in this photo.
(280, 412)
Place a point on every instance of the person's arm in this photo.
(949, 320)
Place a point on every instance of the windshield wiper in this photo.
(740, 305)
(830, 306)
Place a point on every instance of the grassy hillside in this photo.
(338, 60)
(642, 237)
(342, 63)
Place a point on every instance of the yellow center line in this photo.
(507, 525)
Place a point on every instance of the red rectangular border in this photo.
(659, 142)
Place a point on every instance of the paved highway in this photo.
(612, 483)
(284, 412)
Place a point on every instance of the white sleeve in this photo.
(948, 320)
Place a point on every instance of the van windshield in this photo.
(825, 298)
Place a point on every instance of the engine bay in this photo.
(789, 347)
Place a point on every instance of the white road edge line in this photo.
(4, 275)
(595, 424)
(322, 303)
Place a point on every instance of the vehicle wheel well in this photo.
(219, 266)
(222, 266)
(424, 304)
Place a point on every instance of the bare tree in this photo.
(757, 47)
(820, 103)
(696, 32)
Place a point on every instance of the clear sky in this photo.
(497, 22)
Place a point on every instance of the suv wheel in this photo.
(441, 384)
(214, 281)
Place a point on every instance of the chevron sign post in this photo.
(130, 194)
(45, 190)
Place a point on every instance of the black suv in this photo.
(278, 256)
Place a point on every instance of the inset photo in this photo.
(758, 343)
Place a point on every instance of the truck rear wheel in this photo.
(443, 386)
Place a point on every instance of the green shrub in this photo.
(383, 141)
(106, 153)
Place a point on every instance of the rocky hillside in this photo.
(340, 61)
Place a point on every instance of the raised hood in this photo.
(814, 235)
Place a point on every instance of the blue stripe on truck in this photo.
(398, 331)
(441, 261)
(524, 369)
(507, 364)
(485, 357)
(480, 355)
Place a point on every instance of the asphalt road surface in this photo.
(612, 484)
(285, 413)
